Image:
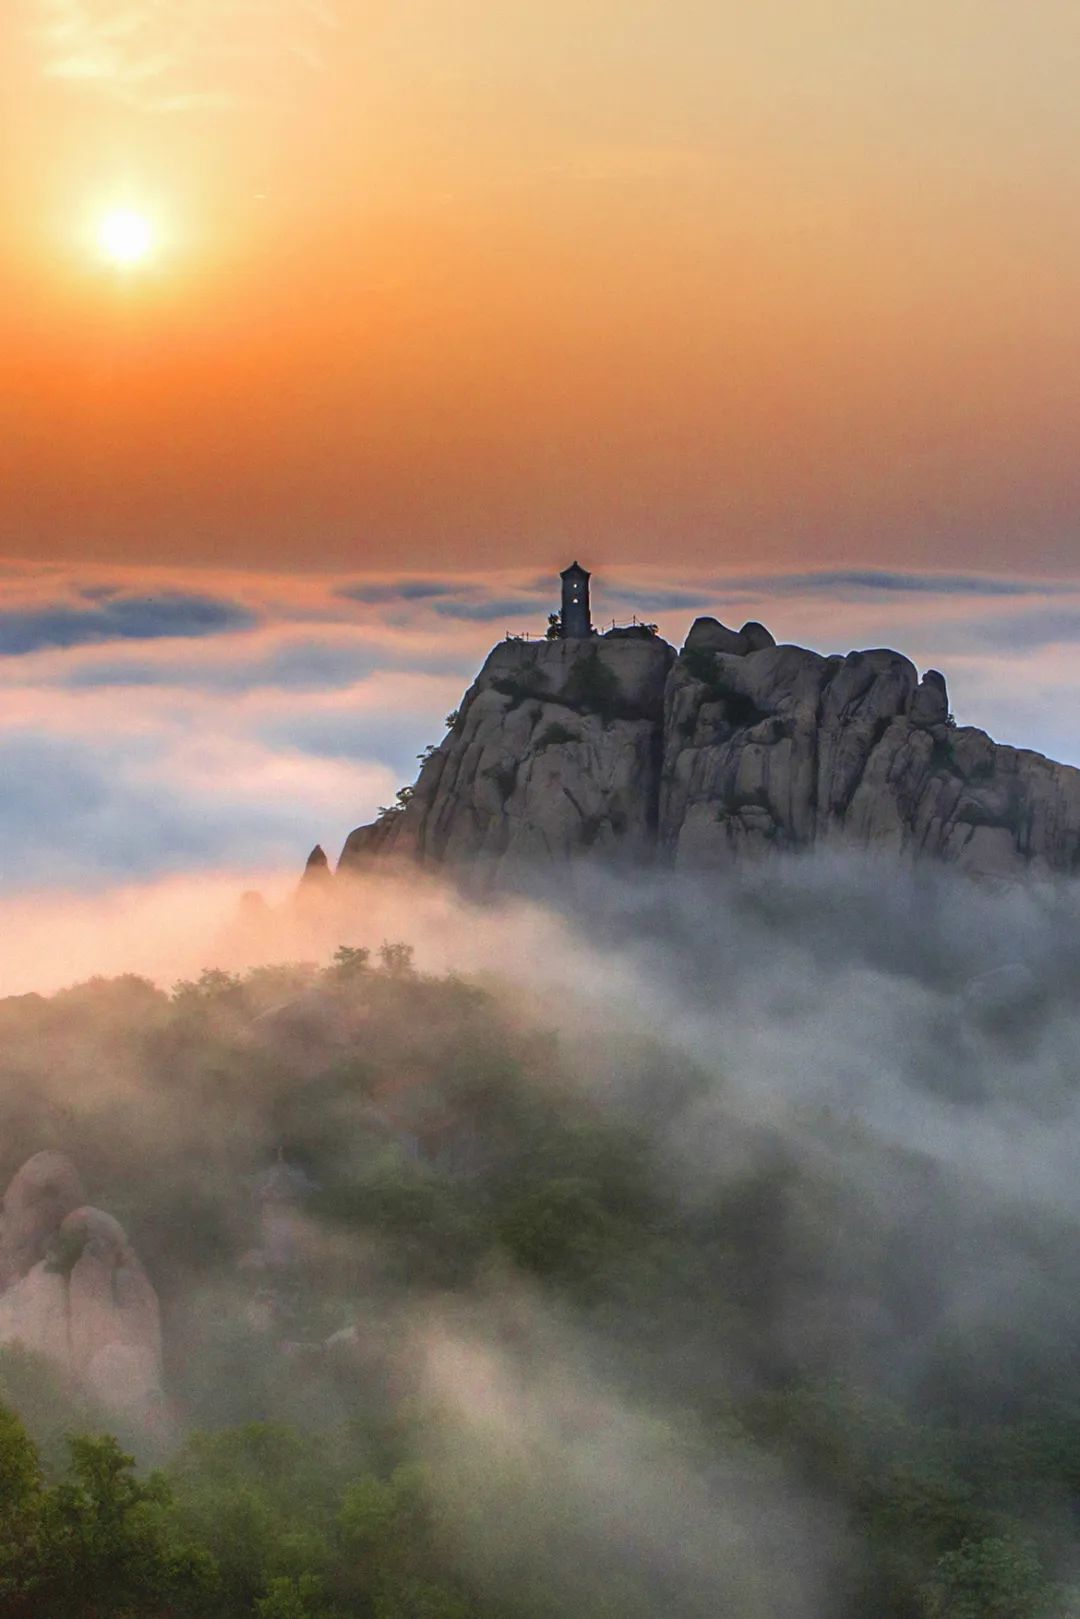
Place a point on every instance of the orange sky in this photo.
(457, 283)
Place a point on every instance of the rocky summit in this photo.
(616, 747)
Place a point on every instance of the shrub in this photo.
(523, 684)
(350, 961)
(402, 797)
(594, 688)
(999, 1577)
(396, 959)
(740, 711)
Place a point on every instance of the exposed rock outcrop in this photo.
(555, 751)
(75, 1292)
(615, 747)
(317, 869)
(40, 1197)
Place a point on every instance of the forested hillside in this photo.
(479, 1304)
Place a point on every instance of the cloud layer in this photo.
(103, 614)
(180, 720)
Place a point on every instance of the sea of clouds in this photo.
(162, 722)
(173, 737)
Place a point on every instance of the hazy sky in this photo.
(779, 285)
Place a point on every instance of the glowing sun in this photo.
(125, 238)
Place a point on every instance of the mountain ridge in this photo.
(620, 748)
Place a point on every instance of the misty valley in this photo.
(614, 1154)
(725, 1262)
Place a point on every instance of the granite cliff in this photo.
(614, 746)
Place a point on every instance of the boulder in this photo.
(786, 750)
(709, 635)
(40, 1195)
(929, 703)
(126, 1380)
(110, 1298)
(34, 1313)
(75, 1291)
(757, 637)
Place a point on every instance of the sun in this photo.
(125, 238)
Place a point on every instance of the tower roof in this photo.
(575, 568)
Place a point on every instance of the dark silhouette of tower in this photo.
(576, 617)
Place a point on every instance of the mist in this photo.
(707, 1248)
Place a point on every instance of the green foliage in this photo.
(289, 1598)
(419, 1599)
(594, 688)
(468, 1170)
(560, 1228)
(388, 1529)
(267, 987)
(20, 1473)
(213, 988)
(943, 759)
(999, 1577)
(703, 665)
(402, 799)
(396, 958)
(350, 961)
(257, 1500)
(109, 1543)
(522, 684)
(21, 1496)
(706, 667)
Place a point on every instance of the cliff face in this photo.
(616, 748)
(556, 751)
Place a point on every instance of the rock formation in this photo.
(556, 749)
(317, 869)
(40, 1197)
(73, 1290)
(613, 746)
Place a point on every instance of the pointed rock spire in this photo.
(317, 869)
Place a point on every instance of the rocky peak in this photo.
(317, 868)
(614, 747)
(555, 752)
(709, 635)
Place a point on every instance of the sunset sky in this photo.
(763, 309)
(463, 283)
